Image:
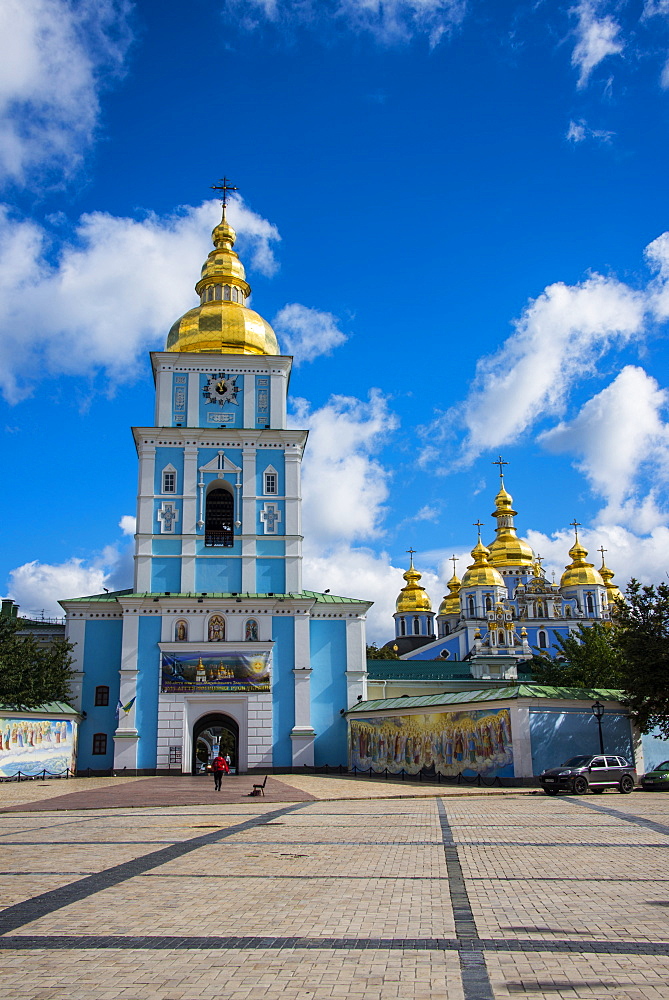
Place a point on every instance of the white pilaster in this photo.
(519, 716)
(249, 400)
(126, 736)
(193, 417)
(163, 398)
(356, 661)
(302, 735)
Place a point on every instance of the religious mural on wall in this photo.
(32, 745)
(446, 743)
(184, 673)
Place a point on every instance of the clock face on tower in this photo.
(221, 389)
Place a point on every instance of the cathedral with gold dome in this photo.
(503, 610)
(217, 646)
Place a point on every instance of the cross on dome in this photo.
(500, 461)
(224, 185)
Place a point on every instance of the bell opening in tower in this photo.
(219, 516)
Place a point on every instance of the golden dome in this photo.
(222, 323)
(413, 597)
(451, 602)
(508, 549)
(481, 573)
(580, 573)
(613, 594)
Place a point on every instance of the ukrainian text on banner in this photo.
(204, 671)
(445, 743)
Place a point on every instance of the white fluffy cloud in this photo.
(344, 487)
(617, 433)
(597, 36)
(557, 340)
(54, 57)
(307, 333)
(388, 22)
(113, 292)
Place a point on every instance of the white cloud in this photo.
(307, 333)
(344, 487)
(597, 37)
(128, 524)
(114, 291)
(618, 432)
(580, 131)
(54, 57)
(557, 341)
(388, 22)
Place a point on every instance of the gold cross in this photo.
(479, 525)
(455, 561)
(576, 525)
(602, 550)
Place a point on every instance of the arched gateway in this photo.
(212, 733)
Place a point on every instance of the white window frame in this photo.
(269, 474)
(169, 470)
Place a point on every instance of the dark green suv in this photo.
(657, 780)
(589, 771)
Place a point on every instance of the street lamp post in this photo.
(598, 712)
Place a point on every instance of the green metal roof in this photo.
(50, 708)
(488, 694)
(424, 670)
(303, 595)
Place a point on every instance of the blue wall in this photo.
(655, 749)
(166, 575)
(218, 575)
(559, 734)
(146, 706)
(328, 691)
(270, 576)
(283, 690)
(102, 658)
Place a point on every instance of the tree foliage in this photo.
(587, 658)
(385, 653)
(32, 674)
(642, 636)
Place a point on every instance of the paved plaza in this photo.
(330, 888)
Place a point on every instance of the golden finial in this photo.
(454, 559)
(576, 525)
(478, 525)
(411, 554)
(602, 550)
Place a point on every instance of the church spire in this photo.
(507, 549)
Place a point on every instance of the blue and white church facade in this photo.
(503, 610)
(217, 630)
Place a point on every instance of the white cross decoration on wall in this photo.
(270, 515)
(168, 515)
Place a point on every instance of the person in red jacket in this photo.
(219, 767)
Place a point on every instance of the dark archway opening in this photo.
(212, 734)
(218, 518)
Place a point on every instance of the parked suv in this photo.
(590, 771)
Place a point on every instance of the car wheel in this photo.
(550, 791)
(580, 785)
(626, 784)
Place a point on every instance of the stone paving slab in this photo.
(454, 898)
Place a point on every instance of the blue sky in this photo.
(454, 213)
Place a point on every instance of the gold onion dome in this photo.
(451, 602)
(413, 597)
(481, 573)
(612, 591)
(222, 323)
(580, 573)
(507, 549)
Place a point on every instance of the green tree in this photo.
(589, 658)
(385, 653)
(642, 636)
(32, 675)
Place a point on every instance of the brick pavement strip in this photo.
(497, 896)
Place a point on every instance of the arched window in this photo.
(181, 631)
(543, 640)
(218, 518)
(403, 627)
(100, 743)
(590, 602)
(488, 603)
(102, 695)
(416, 626)
(251, 630)
(216, 630)
(493, 639)
(567, 612)
(226, 292)
(500, 638)
(471, 606)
